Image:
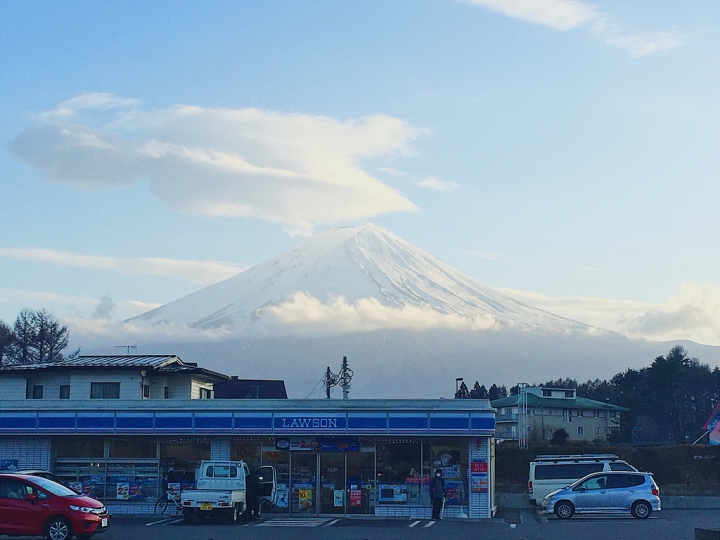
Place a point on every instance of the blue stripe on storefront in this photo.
(56, 422)
(104, 422)
(260, 423)
(443, 422)
(134, 422)
(215, 422)
(257, 423)
(180, 421)
(403, 423)
(18, 422)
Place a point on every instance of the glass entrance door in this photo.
(332, 483)
(303, 475)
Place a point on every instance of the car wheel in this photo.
(641, 509)
(564, 510)
(59, 528)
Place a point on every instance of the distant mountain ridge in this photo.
(355, 263)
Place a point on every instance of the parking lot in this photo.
(516, 525)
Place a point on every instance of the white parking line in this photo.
(430, 524)
(166, 521)
(333, 522)
(414, 523)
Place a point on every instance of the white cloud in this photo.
(488, 255)
(569, 14)
(558, 14)
(69, 306)
(295, 169)
(202, 272)
(304, 314)
(693, 313)
(438, 185)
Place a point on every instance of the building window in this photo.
(204, 393)
(580, 430)
(569, 393)
(597, 431)
(146, 390)
(567, 415)
(64, 391)
(37, 391)
(166, 393)
(105, 390)
(547, 393)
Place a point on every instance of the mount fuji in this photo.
(358, 264)
(408, 323)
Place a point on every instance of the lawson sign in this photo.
(303, 423)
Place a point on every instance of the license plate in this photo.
(103, 522)
(205, 506)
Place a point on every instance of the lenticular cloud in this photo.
(295, 169)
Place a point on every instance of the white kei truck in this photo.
(221, 490)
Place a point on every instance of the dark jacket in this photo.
(437, 487)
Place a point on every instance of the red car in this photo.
(34, 506)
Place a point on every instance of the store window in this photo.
(276, 453)
(133, 447)
(450, 456)
(179, 458)
(247, 450)
(399, 471)
(80, 447)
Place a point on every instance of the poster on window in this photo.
(355, 498)
(281, 496)
(305, 498)
(173, 491)
(338, 498)
(123, 491)
(8, 464)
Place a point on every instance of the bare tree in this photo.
(7, 337)
(38, 337)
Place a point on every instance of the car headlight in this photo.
(83, 509)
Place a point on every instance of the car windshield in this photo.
(54, 487)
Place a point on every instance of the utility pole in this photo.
(345, 375)
(330, 380)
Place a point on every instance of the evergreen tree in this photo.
(478, 392)
(463, 392)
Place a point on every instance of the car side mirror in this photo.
(32, 498)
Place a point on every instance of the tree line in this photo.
(35, 337)
(668, 401)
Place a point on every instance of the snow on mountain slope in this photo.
(355, 263)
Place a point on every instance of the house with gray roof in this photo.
(535, 413)
(131, 377)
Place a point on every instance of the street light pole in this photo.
(458, 380)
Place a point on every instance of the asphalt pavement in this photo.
(511, 525)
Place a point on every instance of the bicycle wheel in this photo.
(161, 504)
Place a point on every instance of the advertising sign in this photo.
(355, 498)
(479, 477)
(305, 498)
(123, 491)
(9, 464)
(303, 443)
(339, 498)
(281, 496)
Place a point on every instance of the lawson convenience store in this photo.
(332, 457)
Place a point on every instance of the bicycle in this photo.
(161, 505)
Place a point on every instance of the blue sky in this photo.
(560, 150)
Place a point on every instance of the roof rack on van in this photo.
(559, 457)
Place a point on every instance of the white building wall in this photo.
(30, 452)
(12, 387)
(130, 383)
(196, 385)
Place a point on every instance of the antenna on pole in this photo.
(127, 348)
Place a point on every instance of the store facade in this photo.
(332, 457)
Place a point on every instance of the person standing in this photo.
(437, 493)
(252, 487)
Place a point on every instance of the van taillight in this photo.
(530, 487)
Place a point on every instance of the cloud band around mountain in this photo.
(298, 170)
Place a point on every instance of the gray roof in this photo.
(557, 403)
(165, 364)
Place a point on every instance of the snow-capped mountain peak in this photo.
(375, 273)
